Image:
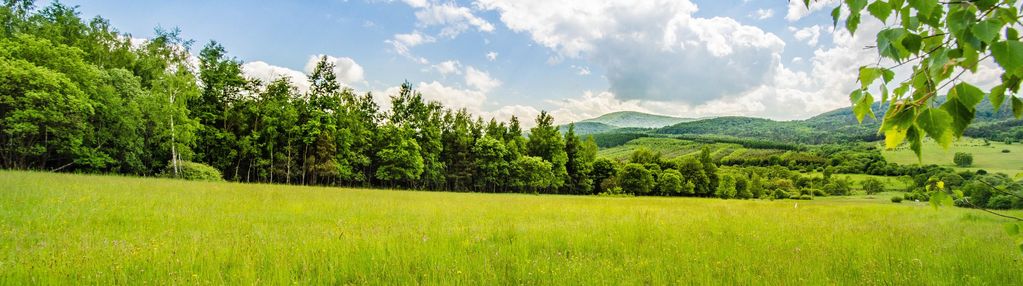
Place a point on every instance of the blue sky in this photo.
(578, 59)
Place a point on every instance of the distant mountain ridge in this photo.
(637, 119)
(834, 126)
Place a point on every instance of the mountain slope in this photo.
(636, 119)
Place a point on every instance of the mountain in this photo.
(586, 128)
(635, 119)
(836, 126)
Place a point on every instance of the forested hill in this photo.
(636, 119)
(834, 126)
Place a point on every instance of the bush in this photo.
(872, 186)
(194, 172)
(1005, 150)
(897, 199)
(805, 197)
(963, 159)
(1000, 203)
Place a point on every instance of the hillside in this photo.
(637, 119)
(835, 126)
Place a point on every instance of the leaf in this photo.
(937, 199)
(915, 142)
(1012, 228)
(855, 6)
(936, 123)
(997, 96)
(959, 20)
(852, 22)
(924, 7)
(835, 15)
(862, 102)
(893, 137)
(868, 76)
(881, 10)
(961, 115)
(968, 94)
(986, 30)
(889, 43)
(1009, 55)
(1017, 107)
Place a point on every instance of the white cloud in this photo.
(403, 43)
(798, 10)
(451, 97)
(452, 18)
(810, 34)
(347, 70)
(654, 50)
(480, 80)
(762, 14)
(448, 67)
(267, 73)
(581, 70)
(492, 56)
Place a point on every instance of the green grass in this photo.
(988, 157)
(668, 147)
(77, 229)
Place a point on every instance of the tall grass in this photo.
(71, 229)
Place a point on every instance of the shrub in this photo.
(1005, 150)
(838, 187)
(636, 179)
(805, 197)
(897, 199)
(963, 159)
(1000, 202)
(193, 171)
(872, 186)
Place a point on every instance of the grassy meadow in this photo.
(83, 229)
(985, 156)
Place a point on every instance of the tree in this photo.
(872, 186)
(726, 189)
(492, 169)
(531, 174)
(710, 169)
(399, 156)
(645, 156)
(942, 41)
(670, 183)
(963, 159)
(695, 173)
(545, 142)
(603, 169)
(636, 179)
(581, 155)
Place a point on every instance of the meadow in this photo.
(989, 157)
(87, 229)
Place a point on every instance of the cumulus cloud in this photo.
(480, 80)
(653, 50)
(448, 67)
(403, 43)
(267, 73)
(454, 98)
(492, 56)
(810, 34)
(581, 70)
(762, 14)
(798, 10)
(347, 70)
(452, 18)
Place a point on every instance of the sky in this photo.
(576, 59)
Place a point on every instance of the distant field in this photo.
(989, 157)
(668, 147)
(76, 229)
(890, 183)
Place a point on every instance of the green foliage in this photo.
(838, 187)
(194, 172)
(872, 186)
(942, 40)
(963, 159)
(726, 188)
(897, 199)
(636, 179)
(670, 183)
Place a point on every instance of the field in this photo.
(987, 157)
(64, 229)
